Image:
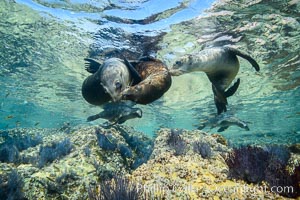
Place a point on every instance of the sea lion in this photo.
(221, 65)
(156, 80)
(108, 80)
(223, 121)
(118, 112)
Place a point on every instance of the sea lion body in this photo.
(224, 121)
(156, 80)
(93, 92)
(118, 112)
(221, 66)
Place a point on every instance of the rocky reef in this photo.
(96, 163)
(202, 170)
(66, 163)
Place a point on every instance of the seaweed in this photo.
(102, 171)
(66, 177)
(9, 154)
(203, 149)
(115, 189)
(56, 150)
(11, 188)
(87, 151)
(11, 148)
(248, 163)
(52, 188)
(139, 161)
(176, 142)
(106, 142)
(27, 141)
(125, 151)
(256, 164)
(143, 149)
(141, 146)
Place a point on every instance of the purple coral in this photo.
(117, 188)
(48, 154)
(11, 187)
(256, 164)
(203, 149)
(11, 148)
(176, 142)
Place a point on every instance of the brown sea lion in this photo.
(156, 80)
(221, 65)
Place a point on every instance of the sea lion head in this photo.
(243, 125)
(181, 65)
(115, 77)
(130, 113)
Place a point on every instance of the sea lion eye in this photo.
(178, 63)
(118, 85)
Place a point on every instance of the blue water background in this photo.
(44, 42)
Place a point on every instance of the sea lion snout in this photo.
(114, 91)
(180, 66)
(138, 112)
(244, 126)
(131, 93)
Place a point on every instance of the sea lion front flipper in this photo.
(93, 117)
(177, 72)
(220, 99)
(232, 89)
(148, 58)
(135, 75)
(223, 128)
(106, 125)
(92, 65)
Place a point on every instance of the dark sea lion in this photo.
(118, 112)
(156, 80)
(224, 121)
(93, 92)
(114, 77)
(221, 65)
(108, 80)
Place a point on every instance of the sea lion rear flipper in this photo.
(220, 99)
(232, 89)
(245, 56)
(222, 129)
(135, 75)
(92, 65)
(201, 126)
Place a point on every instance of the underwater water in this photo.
(43, 44)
